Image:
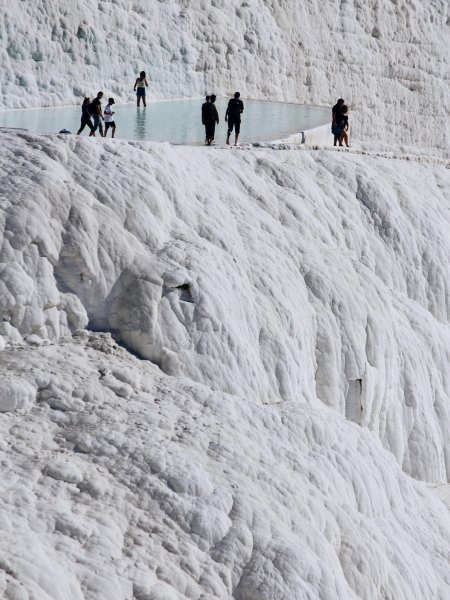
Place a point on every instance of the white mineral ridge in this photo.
(282, 432)
(183, 492)
(389, 59)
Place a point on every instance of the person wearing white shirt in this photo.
(108, 115)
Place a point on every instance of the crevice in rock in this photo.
(115, 335)
(183, 291)
(353, 401)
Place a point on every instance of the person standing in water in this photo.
(205, 109)
(86, 117)
(139, 87)
(233, 115)
(211, 118)
(108, 114)
(95, 108)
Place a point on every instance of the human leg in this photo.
(210, 127)
(230, 129)
(82, 126)
(140, 94)
(336, 133)
(84, 121)
(344, 138)
(111, 125)
(237, 130)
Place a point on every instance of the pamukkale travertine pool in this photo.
(178, 121)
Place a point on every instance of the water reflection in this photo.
(140, 124)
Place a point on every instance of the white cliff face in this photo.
(316, 277)
(121, 482)
(390, 60)
(272, 420)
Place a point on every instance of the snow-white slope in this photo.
(389, 59)
(296, 303)
(273, 424)
(296, 275)
(120, 482)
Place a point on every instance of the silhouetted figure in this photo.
(233, 115)
(336, 120)
(211, 118)
(95, 108)
(344, 134)
(205, 109)
(86, 117)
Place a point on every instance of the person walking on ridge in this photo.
(337, 121)
(233, 116)
(95, 108)
(108, 114)
(139, 87)
(86, 117)
(211, 118)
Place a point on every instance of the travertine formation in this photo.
(224, 373)
(388, 58)
(297, 310)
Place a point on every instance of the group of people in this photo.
(93, 117)
(210, 118)
(339, 122)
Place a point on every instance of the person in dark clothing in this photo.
(233, 115)
(211, 118)
(344, 133)
(95, 108)
(86, 117)
(337, 120)
(205, 109)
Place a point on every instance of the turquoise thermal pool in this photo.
(178, 121)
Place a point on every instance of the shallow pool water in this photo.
(178, 121)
